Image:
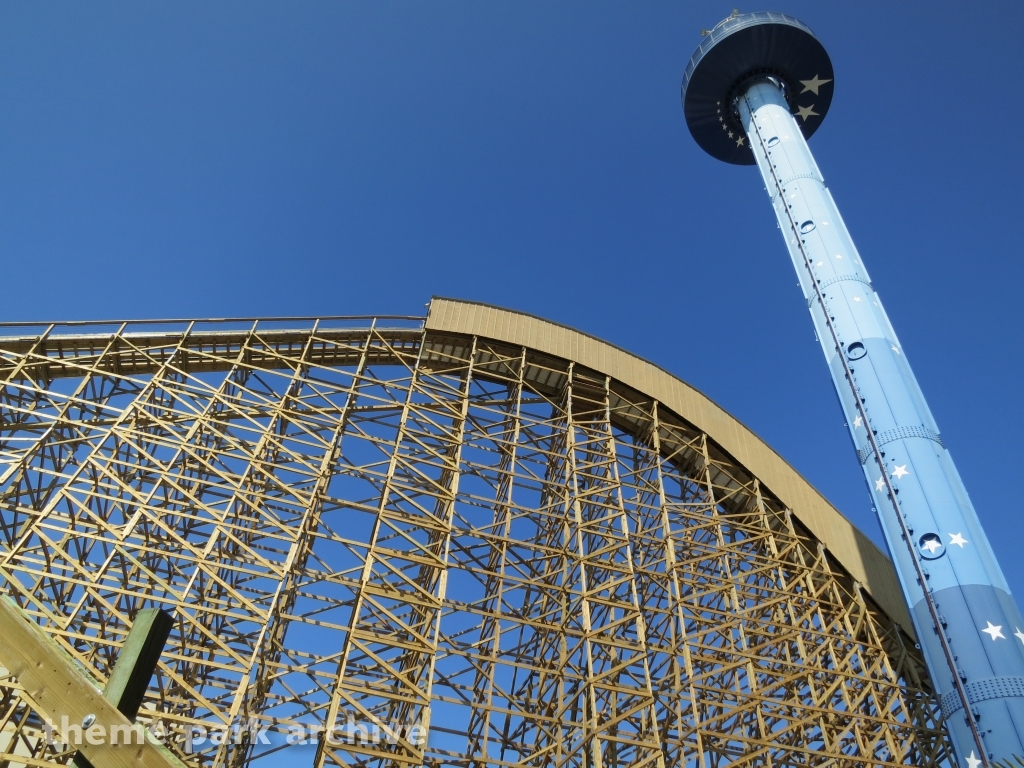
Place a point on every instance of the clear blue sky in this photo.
(212, 159)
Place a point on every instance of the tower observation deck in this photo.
(755, 90)
(475, 539)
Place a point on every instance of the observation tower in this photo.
(756, 89)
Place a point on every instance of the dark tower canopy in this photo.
(743, 48)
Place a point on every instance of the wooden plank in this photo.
(58, 689)
(135, 664)
(137, 660)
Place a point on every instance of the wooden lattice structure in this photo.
(371, 521)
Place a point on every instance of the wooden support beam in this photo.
(57, 689)
(135, 664)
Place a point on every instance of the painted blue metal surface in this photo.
(982, 624)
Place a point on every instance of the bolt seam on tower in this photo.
(929, 601)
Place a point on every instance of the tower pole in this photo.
(969, 626)
(782, 154)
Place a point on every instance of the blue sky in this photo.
(196, 159)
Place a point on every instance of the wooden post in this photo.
(129, 679)
(57, 688)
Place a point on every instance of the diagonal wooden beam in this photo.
(57, 688)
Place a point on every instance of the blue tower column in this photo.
(886, 412)
(755, 89)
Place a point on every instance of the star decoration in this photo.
(839, 255)
(900, 471)
(725, 127)
(720, 119)
(806, 112)
(813, 84)
(730, 134)
(821, 263)
(994, 630)
(958, 539)
(740, 142)
(857, 298)
(894, 349)
(880, 484)
(972, 761)
(931, 545)
(858, 423)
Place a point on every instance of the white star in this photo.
(821, 263)
(958, 539)
(839, 255)
(900, 471)
(931, 545)
(824, 223)
(894, 349)
(813, 84)
(880, 483)
(741, 141)
(972, 761)
(857, 298)
(1019, 635)
(806, 112)
(994, 630)
(858, 422)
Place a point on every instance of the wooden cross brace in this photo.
(57, 688)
